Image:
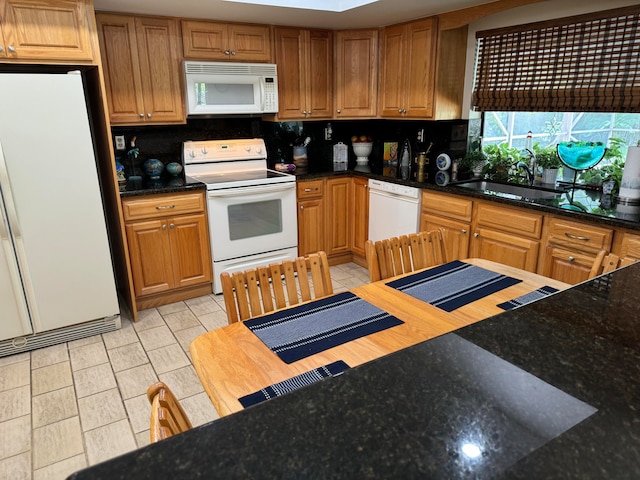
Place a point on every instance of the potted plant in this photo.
(471, 164)
(500, 160)
(547, 159)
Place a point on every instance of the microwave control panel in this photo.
(270, 95)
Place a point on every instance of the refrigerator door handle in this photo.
(7, 196)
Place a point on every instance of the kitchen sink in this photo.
(508, 190)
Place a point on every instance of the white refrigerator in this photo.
(56, 275)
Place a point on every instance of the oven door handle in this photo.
(235, 192)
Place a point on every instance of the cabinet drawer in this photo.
(630, 246)
(447, 206)
(513, 220)
(310, 189)
(579, 235)
(162, 205)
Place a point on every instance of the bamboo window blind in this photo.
(587, 63)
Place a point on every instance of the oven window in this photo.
(255, 219)
(224, 93)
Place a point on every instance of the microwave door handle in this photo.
(262, 106)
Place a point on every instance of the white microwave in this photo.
(228, 88)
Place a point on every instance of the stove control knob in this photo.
(259, 150)
(203, 150)
(192, 154)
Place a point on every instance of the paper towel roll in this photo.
(630, 186)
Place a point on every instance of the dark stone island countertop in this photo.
(550, 390)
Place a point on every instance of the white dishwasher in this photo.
(393, 209)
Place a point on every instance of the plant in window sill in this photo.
(500, 160)
(471, 163)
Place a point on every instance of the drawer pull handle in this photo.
(476, 235)
(463, 231)
(572, 259)
(576, 237)
(165, 207)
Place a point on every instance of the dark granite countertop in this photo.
(550, 390)
(166, 184)
(593, 206)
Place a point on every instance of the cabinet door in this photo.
(160, 70)
(356, 73)
(319, 74)
(249, 43)
(359, 212)
(51, 30)
(150, 256)
(119, 50)
(337, 223)
(392, 71)
(455, 233)
(290, 57)
(505, 248)
(630, 248)
(205, 40)
(310, 226)
(566, 265)
(190, 253)
(419, 66)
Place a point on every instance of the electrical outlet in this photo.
(120, 142)
(421, 135)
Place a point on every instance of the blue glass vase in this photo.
(153, 168)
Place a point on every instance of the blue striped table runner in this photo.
(453, 285)
(303, 330)
(294, 383)
(528, 298)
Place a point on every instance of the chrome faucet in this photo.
(530, 175)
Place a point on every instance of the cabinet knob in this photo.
(399, 110)
(149, 115)
(227, 52)
(1, 48)
(233, 52)
(304, 112)
(301, 207)
(172, 225)
(476, 235)
(11, 48)
(310, 112)
(164, 226)
(338, 111)
(463, 231)
(142, 115)
(571, 258)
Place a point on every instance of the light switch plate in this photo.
(120, 142)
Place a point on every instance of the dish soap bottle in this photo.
(405, 161)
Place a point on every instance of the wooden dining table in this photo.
(232, 361)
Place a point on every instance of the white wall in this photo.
(536, 12)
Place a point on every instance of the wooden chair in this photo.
(612, 262)
(407, 253)
(167, 416)
(262, 290)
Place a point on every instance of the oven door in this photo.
(249, 220)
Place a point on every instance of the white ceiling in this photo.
(382, 12)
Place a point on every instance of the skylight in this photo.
(323, 5)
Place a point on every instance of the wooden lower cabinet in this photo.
(507, 235)
(627, 246)
(571, 248)
(168, 253)
(455, 233)
(337, 222)
(359, 217)
(311, 215)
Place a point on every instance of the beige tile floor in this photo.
(65, 407)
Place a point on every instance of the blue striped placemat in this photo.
(303, 330)
(294, 383)
(528, 297)
(452, 285)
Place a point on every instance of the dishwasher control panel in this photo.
(394, 188)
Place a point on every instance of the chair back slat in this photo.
(167, 418)
(262, 290)
(596, 267)
(610, 263)
(397, 255)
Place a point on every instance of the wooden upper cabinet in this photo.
(407, 72)
(356, 79)
(226, 41)
(142, 65)
(305, 73)
(45, 30)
